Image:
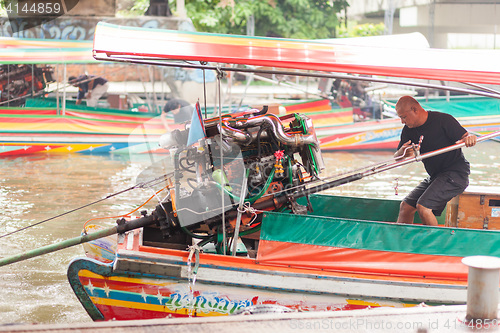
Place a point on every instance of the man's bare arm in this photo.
(469, 139)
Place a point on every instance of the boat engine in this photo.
(20, 81)
(245, 164)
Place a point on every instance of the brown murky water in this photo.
(36, 188)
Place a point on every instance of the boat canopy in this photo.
(112, 42)
(411, 40)
(44, 51)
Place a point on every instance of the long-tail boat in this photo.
(32, 123)
(240, 220)
(242, 223)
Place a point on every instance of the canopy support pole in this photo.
(64, 91)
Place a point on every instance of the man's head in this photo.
(410, 112)
(73, 81)
(173, 106)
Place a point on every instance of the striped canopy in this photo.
(44, 51)
(119, 42)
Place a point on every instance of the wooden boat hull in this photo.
(159, 287)
(117, 294)
(305, 263)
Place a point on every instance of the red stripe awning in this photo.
(477, 66)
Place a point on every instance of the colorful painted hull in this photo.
(385, 134)
(42, 130)
(312, 262)
(110, 293)
(323, 112)
(35, 130)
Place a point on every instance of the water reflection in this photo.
(33, 189)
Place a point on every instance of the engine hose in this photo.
(210, 239)
(193, 235)
(192, 183)
(264, 189)
(254, 198)
(184, 167)
(243, 233)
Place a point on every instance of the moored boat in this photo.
(40, 127)
(247, 228)
(313, 262)
(30, 123)
(477, 114)
(239, 223)
(43, 129)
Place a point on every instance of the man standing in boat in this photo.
(90, 87)
(426, 131)
(180, 109)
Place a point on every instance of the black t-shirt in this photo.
(185, 112)
(84, 86)
(439, 131)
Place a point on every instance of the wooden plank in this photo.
(478, 211)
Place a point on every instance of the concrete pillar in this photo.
(482, 288)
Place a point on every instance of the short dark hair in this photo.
(172, 105)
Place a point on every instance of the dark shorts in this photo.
(435, 194)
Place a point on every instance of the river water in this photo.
(36, 188)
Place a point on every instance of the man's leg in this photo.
(406, 213)
(442, 189)
(94, 98)
(408, 206)
(427, 216)
(96, 93)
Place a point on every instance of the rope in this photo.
(247, 208)
(124, 215)
(154, 181)
(194, 250)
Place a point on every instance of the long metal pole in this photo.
(240, 211)
(120, 228)
(377, 169)
(218, 97)
(58, 246)
(64, 91)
